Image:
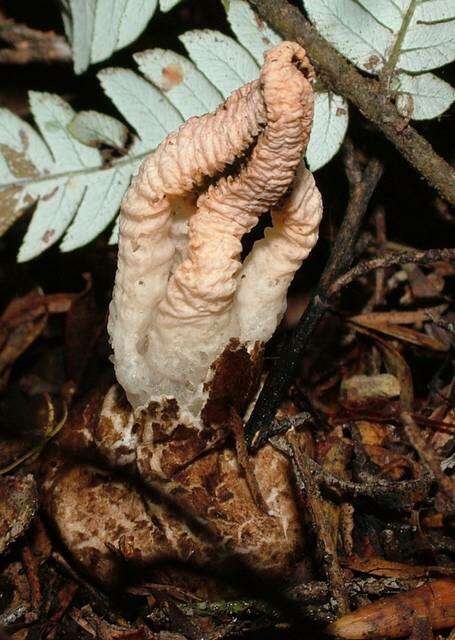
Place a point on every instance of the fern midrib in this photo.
(23, 182)
(392, 60)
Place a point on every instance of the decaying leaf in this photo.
(369, 390)
(18, 505)
(23, 320)
(394, 617)
(21, 323)
(402, 333)
(386, 568)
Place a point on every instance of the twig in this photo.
(397, 496)
(263, 415)
(429, 457)
(340, 76)
(324, 539)
(316, 592)
(362, 186)
(31, 566)
(98, 597)
(306, 593)
(236, 426)
(277, 427)
(429, 256)
(381, 239)
(30, 45)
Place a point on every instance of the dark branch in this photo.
(430, 459)
(362, 185)
(316, 592)
(326, 546)
(396, 496)
(30, 45)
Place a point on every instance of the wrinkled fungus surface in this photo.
(188, 321)
(181, 292)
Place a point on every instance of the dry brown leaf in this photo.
(335, 459)
(433, 521)
(369, 391)
(20, 324)
(83, 326)
(377, 566)
(23, 320)
(60, 302)
(394, 464)
(417, 316)
(18, 505)
(423, 285)
(372, 433)
(394, 617)
(403, 333)
(395, 364)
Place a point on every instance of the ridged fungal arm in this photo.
(270, 266)
(197, 307)
(176, 304)
(147, 244)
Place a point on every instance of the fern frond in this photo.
(77, 193)
(398, 40)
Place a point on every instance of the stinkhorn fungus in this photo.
(188, 321)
